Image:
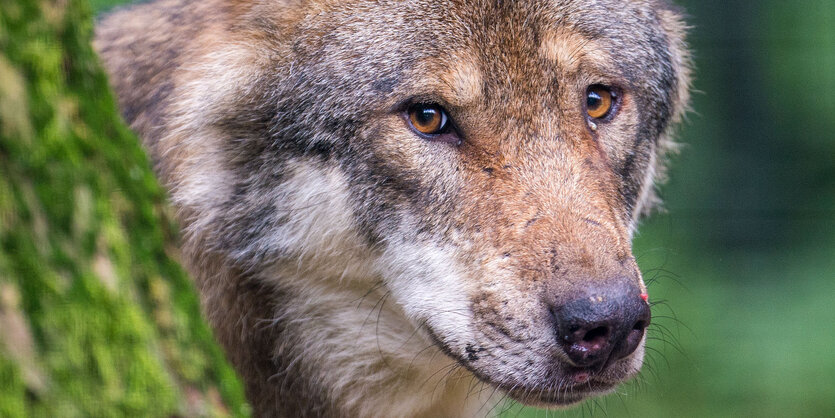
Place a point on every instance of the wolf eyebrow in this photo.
(464, 81)
(568, 48)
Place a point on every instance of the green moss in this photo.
(13, 391)
(112, 320)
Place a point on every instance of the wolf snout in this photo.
(603, 325)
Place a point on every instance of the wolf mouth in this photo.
(559, 395)
(556, 393)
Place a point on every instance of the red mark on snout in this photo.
(645, 296)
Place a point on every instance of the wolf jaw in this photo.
(352, 267)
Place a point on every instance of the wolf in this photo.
(409, 207)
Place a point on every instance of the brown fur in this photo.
(307, 203)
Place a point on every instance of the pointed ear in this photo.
(671, 19)
(672, 22)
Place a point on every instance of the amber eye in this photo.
(428, 119)
(599, 101)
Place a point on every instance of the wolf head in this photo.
(484, 162)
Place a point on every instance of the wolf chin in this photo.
(400, 208)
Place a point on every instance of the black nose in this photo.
(606, 324)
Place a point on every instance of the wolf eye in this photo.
(599, 101)
(428, 119)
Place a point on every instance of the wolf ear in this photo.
(671, 19)
(675, 29)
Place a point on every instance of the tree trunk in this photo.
(96, 316)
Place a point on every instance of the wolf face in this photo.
(476, 166)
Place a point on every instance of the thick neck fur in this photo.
(331, 346)
(319, 334)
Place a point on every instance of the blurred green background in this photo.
(742, 264)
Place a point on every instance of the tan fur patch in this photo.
(568, 49)
(464, 81)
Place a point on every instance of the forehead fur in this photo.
(497, 36)
(568, 48)
(464, 81)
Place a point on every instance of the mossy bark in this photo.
(96, 316)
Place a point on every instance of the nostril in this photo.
(596, 336)
(635, 335)
(632, 340)
(587, 344)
